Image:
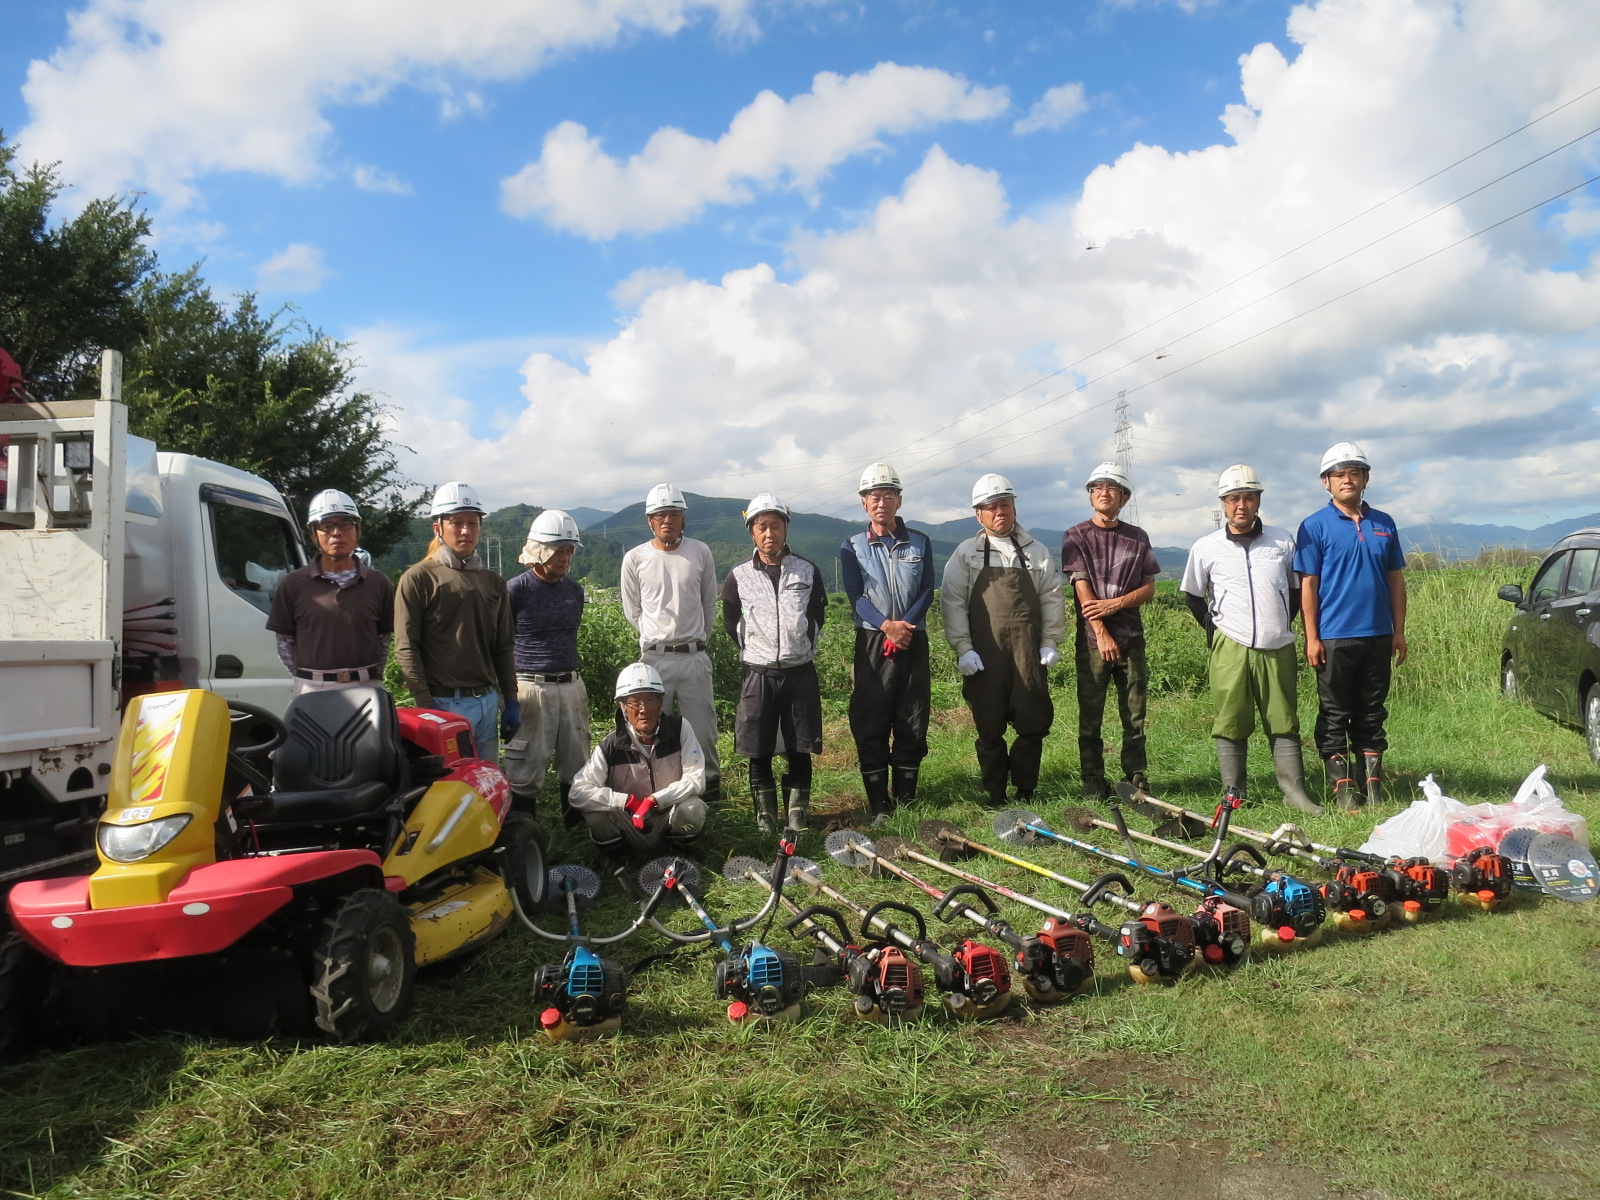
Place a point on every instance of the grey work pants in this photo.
(555, 724)
(687, 679)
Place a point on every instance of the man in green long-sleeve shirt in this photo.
(452, 626)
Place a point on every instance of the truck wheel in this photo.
(363, 967)
(20, 979)
(522, 860)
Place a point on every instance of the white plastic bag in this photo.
(1419, 831)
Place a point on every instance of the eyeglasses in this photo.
(1105, 487)
(642, 700)
(336, 527)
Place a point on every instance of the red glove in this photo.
(638, 808)
(890, 649)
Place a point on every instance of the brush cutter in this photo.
(883, 981)
(1280, 902)
(584, 994)
(1357, 900)
(756, 980)
(1046, 977)
(972, 985)
(1268, 909)
(1416, 889)
(1159, 944)
(1482, 878)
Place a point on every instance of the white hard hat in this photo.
(879, 475)
(331, 503)
(1238, 478)
(455, 497)
(1344, 454)
(663, 497)
(1110, 472)
(766, 502)
(638, 677)
(554, 525)
(990, 488)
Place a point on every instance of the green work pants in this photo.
(1245, 682)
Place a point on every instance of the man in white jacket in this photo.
(1004, 616)
(642, 784)
(1241, 585)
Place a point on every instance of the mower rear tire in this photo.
(363, 968)
(522, 860)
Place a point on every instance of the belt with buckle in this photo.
(461, 693)
(679, 647)
(548, 677)
(348, 675)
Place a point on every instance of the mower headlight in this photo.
(133, 843)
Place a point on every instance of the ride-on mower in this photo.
(378, 843)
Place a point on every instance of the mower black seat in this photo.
(342, 760)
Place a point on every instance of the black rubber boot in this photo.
(905, 784)
(766, 802)
(1292, 774)
(1372, 761)
(1341, 784)
(876, 784)
(1232, 756)
(799, 806)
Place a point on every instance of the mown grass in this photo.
(1449, 1060)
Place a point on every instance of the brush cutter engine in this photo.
(888, 980)
(1423, 887)
(1159, 943)
(1221, 932)
(1289, 908)
(1482, 878)
(987, 976)
(759, 981)
(582, 992)
(1358, 897)
(1059, 960)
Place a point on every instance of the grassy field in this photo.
(1447, 1060)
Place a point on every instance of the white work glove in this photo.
(1048, 656)
(969, 663)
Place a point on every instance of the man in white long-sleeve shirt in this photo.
(669, 594)
(643, 782)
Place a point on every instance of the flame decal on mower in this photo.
(160, 722)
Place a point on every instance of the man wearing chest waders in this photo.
(1004, 616)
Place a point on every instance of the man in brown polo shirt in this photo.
(334, 616)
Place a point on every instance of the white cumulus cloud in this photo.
(154, 93)
(1054, 109)
(298, 267)
(575, 185)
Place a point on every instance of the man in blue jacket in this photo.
(1353, 607)
(888, 576)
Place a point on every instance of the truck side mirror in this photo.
(1511, 592)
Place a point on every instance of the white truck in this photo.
(123, 570)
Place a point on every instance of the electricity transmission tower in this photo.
(1123, 447)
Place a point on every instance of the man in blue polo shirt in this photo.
(1353, 605)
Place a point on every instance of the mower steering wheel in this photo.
(251, 717)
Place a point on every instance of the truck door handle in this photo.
(229, 666)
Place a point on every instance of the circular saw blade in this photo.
(580, 880)
(652, 873)
(805, 870)
(1563, 867)
(842, 844)
(1082, 820)
(890, 845)
(949, 849)
(741, 867)
(1008, 826)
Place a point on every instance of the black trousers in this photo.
(890, 696)
(1352, 688)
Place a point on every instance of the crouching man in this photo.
(643, 783)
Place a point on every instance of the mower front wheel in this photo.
(522, 862)
(19, 1004)
(363, 967)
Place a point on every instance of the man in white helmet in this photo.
(334, 617)
(1241, 586)
(773, 606)
(452, 617)
(669, 594)
(1004, 616)
(1353, 607)
(888, 576)
(643, 783)
(1112, 570)
(546, 611)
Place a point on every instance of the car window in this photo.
(1580, 575)
(1547, 583)
(254, 551)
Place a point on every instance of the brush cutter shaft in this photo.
(1076, 884)
(1271, 843)
(1183, 881)
(1049, 910)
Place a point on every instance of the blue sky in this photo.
(879, 257)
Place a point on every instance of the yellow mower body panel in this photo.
(450, 823)
(462, 918)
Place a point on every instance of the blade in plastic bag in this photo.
(1564, 867)
(841, 847)
(651, 874)
(1008, 826)
(584, 883)
(949, 849)
(741, 867)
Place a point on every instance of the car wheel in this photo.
(1591, 722)
(1510, 688)
(363, 967)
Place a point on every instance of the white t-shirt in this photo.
(1246, 584)
(670, 595)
